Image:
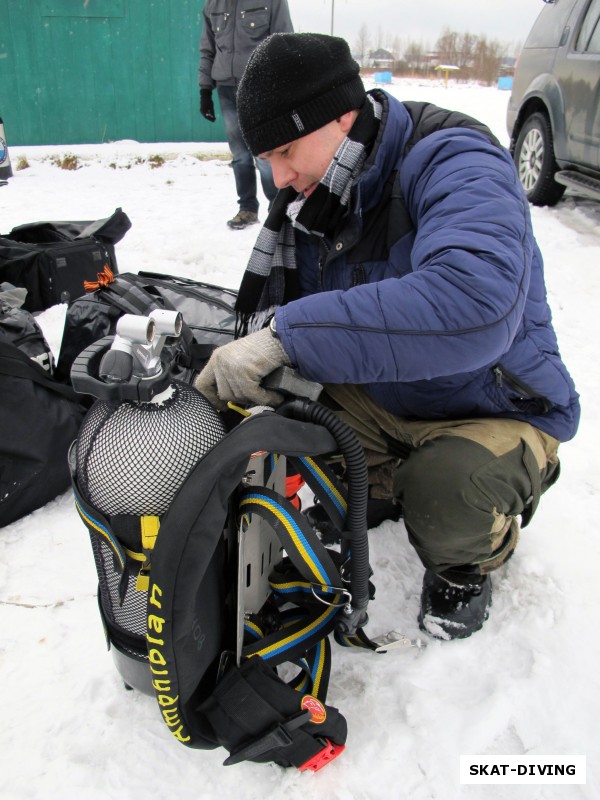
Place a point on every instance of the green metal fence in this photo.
(87, 71)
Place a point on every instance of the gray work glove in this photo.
(235, 371)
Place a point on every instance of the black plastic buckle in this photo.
(277, 736)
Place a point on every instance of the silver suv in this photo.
(554, 110)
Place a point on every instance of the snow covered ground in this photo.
(526, 684)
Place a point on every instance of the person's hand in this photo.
(207, 107)
(235, 371)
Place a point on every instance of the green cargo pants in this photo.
(465, 486)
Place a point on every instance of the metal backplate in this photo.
(259, 548)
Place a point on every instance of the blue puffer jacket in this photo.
(432, 294)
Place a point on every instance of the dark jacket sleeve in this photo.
(207, 51)
(281, 22)
(460, 306)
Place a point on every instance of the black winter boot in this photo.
(449, 611)
(319, 521)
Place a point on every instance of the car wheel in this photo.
(534, 157)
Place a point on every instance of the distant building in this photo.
(381, 59)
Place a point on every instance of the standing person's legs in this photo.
(244, 169)
(462, 485)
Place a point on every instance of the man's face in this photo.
(303, 162)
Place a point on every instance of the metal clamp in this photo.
(396, 641)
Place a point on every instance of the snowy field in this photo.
(527, 684)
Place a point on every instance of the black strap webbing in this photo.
(14, 362)
(130, 298)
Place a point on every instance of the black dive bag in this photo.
(53, 260)
(208, 315)
(39, 418)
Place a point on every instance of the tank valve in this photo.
(137, 346)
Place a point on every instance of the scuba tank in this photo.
(135, 447)
(209, 578)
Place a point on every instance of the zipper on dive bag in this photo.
(194, 293)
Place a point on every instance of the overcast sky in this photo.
(424, 20)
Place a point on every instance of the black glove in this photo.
(207, 107)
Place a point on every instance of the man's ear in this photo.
(346, 121)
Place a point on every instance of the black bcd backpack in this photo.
(204, 602)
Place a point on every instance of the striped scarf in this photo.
(271, 278)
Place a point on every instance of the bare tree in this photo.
(395, 47)
(447, 47)
(362, 43)
(415, 56)
(488, 57)
(379, 38)
(468, 43)
(477, 57)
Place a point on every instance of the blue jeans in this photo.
(243, 161)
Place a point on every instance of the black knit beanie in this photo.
(293, 84)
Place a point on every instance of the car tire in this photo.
(536, 165)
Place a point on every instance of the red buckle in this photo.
(323, 757)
